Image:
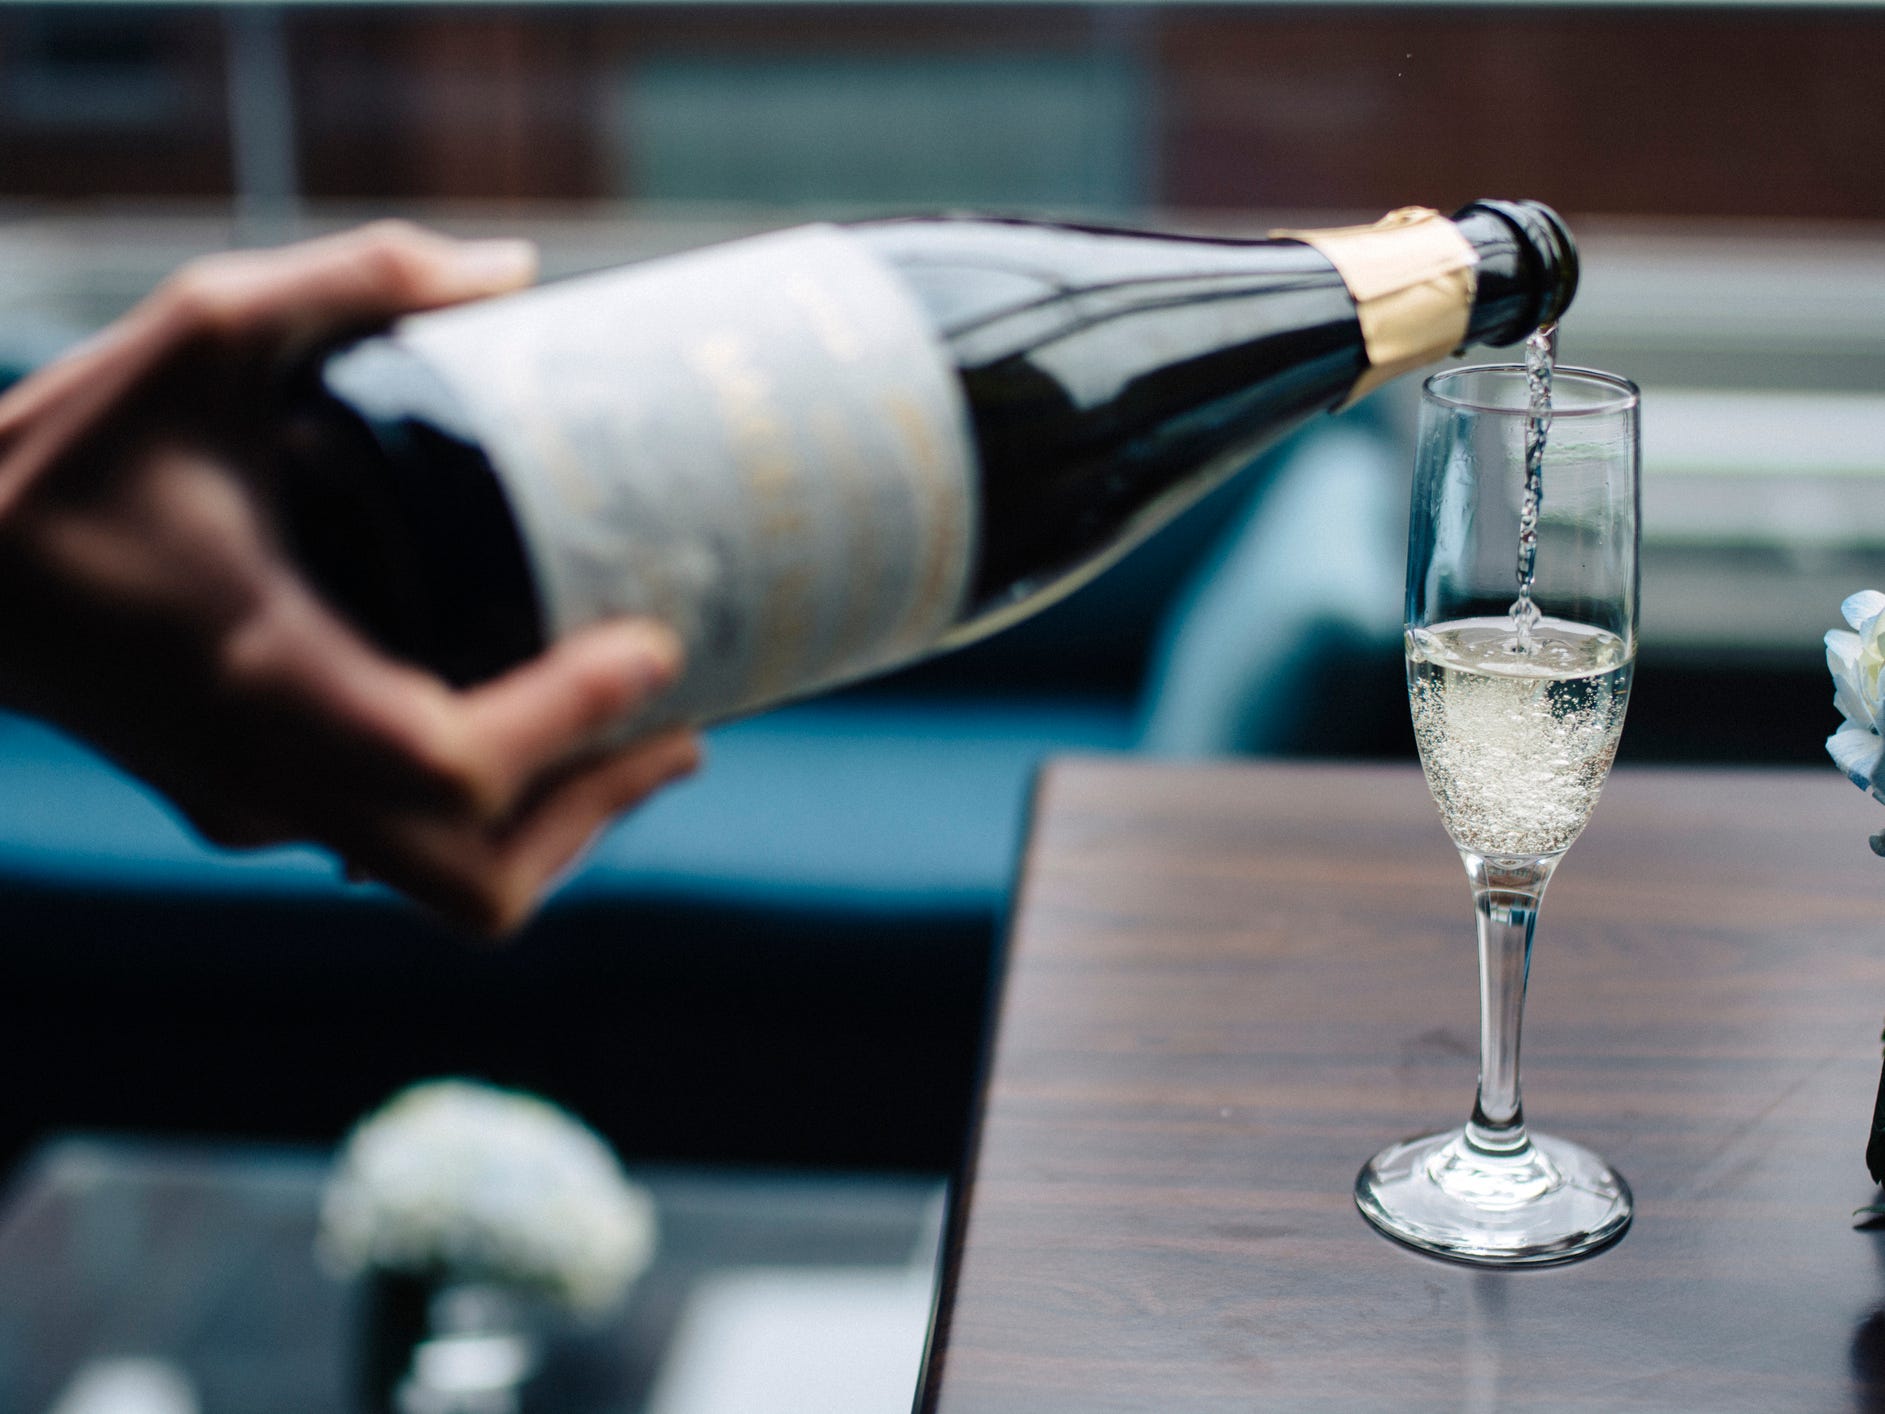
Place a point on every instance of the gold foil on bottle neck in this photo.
(1412, 276)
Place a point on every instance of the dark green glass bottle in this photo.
(823, 453)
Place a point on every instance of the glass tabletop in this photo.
(139, 1277)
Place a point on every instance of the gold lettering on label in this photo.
(942, 546)
(522, 371)
(770, 469)
(841, 338)
(760, 441)
(864, 581)
(917, 434)
(725, 360)
(782, 521)
(778, 668)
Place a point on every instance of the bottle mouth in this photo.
(1548, 245)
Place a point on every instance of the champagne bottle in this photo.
(822, 453)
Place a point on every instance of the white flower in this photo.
(1857, 660)
(471, 1182)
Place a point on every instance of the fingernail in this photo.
(654, 655)
(497, 265)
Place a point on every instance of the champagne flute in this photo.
(1518, 693)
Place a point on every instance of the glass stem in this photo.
(1506, 895)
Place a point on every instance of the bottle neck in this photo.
(1145, 368)
(997, 289)
(1521, 283)
(1425, 286)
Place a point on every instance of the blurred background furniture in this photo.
(152, 1277)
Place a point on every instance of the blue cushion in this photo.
(901, 803)
(1287, 641)
(68, 817)
(916, 802)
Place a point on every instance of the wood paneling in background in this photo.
(109, 102)
(454, 105)
(1678, 111)
(1675, 111)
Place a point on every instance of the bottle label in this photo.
(1412, 276)
(764, 445)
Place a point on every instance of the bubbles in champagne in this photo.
(1540, 356)
(1516, 748)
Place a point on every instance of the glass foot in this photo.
(1549, 1201)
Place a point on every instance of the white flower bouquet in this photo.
(464, 1182)
(1857, 660)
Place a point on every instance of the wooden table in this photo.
(1228, 986)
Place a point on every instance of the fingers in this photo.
(489, 879)
(320, 288)
(481, 751)
(279, 721)
(553, 834)
(469, 801)
(260, 310)
(530, 720)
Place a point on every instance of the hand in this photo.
(147, 604)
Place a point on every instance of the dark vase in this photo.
(431, 1345)
(395, 1315)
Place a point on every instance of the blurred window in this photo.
(986, 130)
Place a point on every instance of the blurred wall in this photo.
(1739, 111)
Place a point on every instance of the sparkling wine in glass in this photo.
(1518, 686)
